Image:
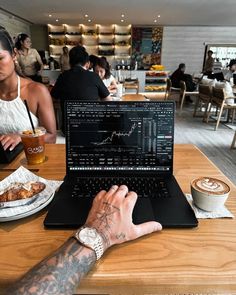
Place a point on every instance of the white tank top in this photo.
(14, 116)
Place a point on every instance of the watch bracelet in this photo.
(98, 249)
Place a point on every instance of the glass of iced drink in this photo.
(34, 146)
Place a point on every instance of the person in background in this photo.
(92, 61)
(64, 59)
(231, 71)
(209, 63)
(179, 75)
(102, 68)
(110, 221)
(13, 90)
(78, 83)
(28, 58)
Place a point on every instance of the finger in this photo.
(12, 146)
(131, 200)
(7, 143)
(121, 192)
(112, 190)
(99, 195)
(147, 228)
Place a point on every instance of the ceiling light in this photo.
(122, 20)
(50, 15)
(155, 20)
(158, 15)
(122, 15)
(89, 20)
(85, 15)
(57, 20)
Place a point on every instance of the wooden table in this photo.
(176, 261)
(133, 97)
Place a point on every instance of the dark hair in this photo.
(78, 56)
(93, 59)
(210, 51)
(181, 66)
(103, 63)
(20, 38)
(6, 41)
(232, 63)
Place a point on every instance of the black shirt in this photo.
(78, 84)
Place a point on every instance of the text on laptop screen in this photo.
(120, 136)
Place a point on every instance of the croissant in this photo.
(19, 191)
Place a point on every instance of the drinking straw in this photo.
(31, 122)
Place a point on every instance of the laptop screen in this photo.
(113, 136)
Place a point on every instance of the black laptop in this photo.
(218, 76)
(6, 156)
(128, 143)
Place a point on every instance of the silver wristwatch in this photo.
(89, 237)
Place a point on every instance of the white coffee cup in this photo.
(209, 193)
(119, 91)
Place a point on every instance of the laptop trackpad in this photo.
(143, 211)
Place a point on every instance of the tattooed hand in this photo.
(111, 215)
(61, 272)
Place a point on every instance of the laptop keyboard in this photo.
(143, 186)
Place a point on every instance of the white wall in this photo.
(187, 45)
(13, 25)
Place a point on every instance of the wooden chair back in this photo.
(168, 88)
(218, 95)
(205, 92)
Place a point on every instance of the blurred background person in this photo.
(28, 58)
(209, 63)
(232, 70)
(102, 68)
(92, 61)
(179, 75)
(78, 83)
(13, 91)
(64, 59)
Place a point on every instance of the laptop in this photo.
(218, 76)
(6, 156)
(128, 143)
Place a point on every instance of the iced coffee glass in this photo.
(34, 146)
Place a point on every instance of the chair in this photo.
(132, 85)
(219, 101)
(234, 141)
(204, 97)
(170, 90)
(183, 93)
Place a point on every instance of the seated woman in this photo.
(13, 91)
(102, 68)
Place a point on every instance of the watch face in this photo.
(88, 236)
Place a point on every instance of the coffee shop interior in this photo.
(144, 43)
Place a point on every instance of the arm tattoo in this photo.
(58, 274)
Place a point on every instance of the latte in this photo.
(209, 193)
(210, 185)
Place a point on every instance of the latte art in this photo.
(210, 185)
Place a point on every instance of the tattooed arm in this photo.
(61, 272)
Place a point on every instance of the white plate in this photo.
(28, 213)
